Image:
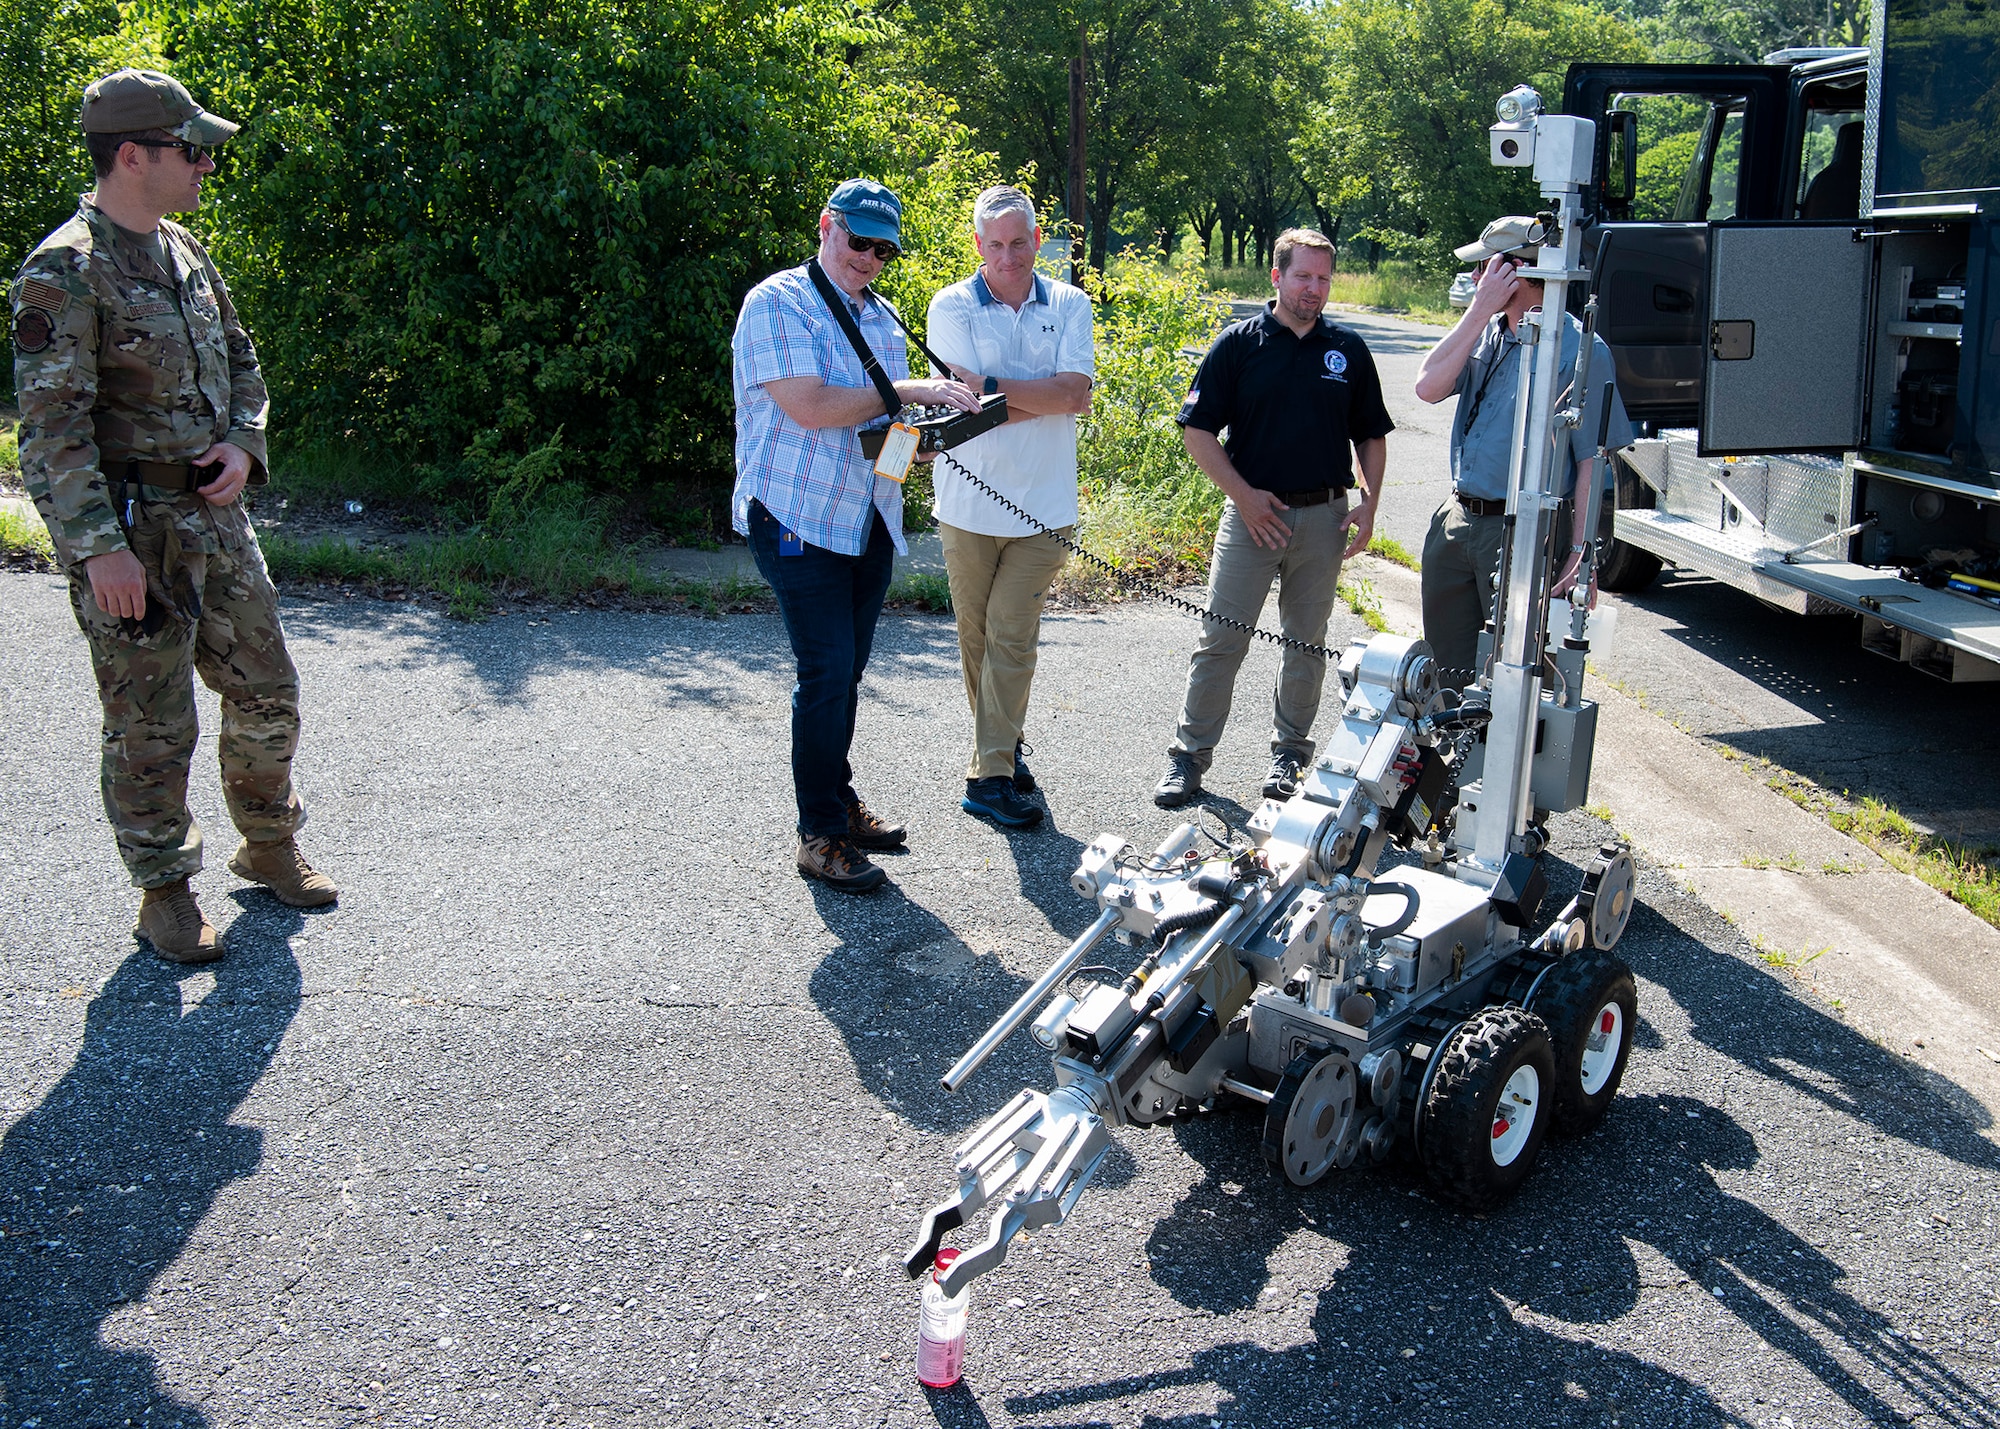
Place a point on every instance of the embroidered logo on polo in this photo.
(1336, 364)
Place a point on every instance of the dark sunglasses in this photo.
(194, 153)
(882, 247)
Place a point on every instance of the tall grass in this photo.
(1396, 286)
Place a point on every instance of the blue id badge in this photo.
(790, 543)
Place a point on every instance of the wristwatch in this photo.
(989, 386)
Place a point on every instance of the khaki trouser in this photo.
(999, 585)
(1461, 575)
(1240, 573)
(221, 621)
(1461, 569)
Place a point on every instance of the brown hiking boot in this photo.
(837, 863)
(170, 920)
(865, 829)
(281, 868)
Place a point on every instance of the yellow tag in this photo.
(899, 449)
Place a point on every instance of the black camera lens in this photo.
(1508, 148)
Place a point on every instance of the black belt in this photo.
(1479, 506)
(1319, 496)
(167, 475)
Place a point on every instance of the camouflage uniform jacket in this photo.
(114, 360)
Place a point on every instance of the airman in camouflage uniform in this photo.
(143, 414)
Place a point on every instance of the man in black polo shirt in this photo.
(1295, 391)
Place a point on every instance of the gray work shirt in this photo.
(1482, 430)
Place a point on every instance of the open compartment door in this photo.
(1787, 333)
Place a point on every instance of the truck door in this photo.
(1678, 146)
(1787, 332)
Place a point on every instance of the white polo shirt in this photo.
(1032, 460)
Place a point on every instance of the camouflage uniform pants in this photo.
(206, 576)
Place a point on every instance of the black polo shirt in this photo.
(1293, 406)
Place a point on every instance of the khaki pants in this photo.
(999, 585)
(221, 622)
(1461, 577)
(1239, 580)
(1461, 569)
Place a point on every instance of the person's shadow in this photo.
(103, 1184)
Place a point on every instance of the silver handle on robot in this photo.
(1025, 1005)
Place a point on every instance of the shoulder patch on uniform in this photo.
(32, 330)
(38, 293)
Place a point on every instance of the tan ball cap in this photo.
(1516, 236)
(131, 100)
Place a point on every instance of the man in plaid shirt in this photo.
(823, 527)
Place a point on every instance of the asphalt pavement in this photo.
(582, 1109)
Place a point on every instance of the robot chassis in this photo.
(1359, 1008)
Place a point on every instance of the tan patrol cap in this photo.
(1517, 237)
(131, 100)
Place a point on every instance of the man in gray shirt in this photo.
(1479, 363)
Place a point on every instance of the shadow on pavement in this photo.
(689, 659)
(908, 997)
(103, 1185)
(1877, 727)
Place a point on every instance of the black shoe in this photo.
(837, 863)
(1181, 783)
(994, 798)
(1024, 782)
(867, 829)
(1283, 780)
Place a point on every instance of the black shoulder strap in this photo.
(870, 363)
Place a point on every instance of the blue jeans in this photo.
(830, 603)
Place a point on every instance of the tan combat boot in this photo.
(281, 868)
(172, 923)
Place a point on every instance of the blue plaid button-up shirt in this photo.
(817, 483)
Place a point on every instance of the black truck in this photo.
(1797, 267)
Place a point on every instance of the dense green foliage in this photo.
(464, 229)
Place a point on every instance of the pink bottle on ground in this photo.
(941, 1329)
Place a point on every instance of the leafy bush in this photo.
(1143, 500)
(458, 227)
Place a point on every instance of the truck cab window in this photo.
(1709, 189)
(1669, 131)
(1830, 165)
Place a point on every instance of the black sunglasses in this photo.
(882, 247)
(194, 153)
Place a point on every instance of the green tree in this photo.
(1731, 32)
(1150, 60)
(1411, 87)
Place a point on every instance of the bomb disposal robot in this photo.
(1357, 1008)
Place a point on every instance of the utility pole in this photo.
(1077, 203)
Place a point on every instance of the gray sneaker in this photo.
(1181, 782)
(1283, 780)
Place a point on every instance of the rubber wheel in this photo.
(1483, 1120)
(1590, 1004)
(1620, 565)
(1308, 1125)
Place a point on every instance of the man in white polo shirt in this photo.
(1008, 329)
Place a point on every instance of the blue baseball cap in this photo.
(869, 210)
